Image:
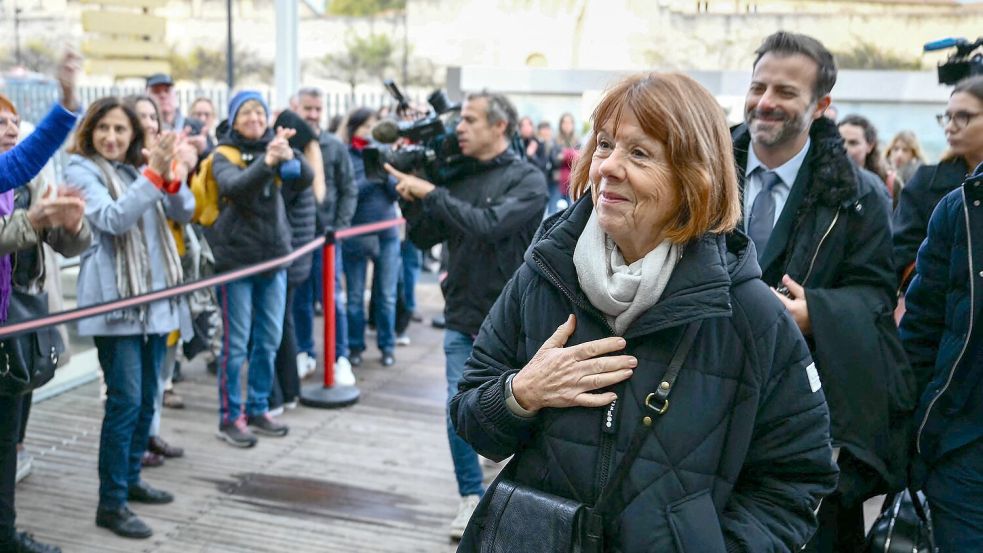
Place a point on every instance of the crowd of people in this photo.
(755, 275)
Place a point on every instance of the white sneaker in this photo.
(402, 340)
(25, 462)
(276, 412)
(343, 375)
(306, 365)
(464, 512)
(302, 364)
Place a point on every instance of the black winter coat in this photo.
(928, 185)
(338, 207)
(487, 219)
(252, 224)
(742, 456)
(944, 305)
(834, 238)
(300, 206)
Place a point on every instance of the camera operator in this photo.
(487, 218)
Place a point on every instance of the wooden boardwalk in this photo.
(373, 477)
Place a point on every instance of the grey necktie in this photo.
(762, 217)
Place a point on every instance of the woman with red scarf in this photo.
(376, 202)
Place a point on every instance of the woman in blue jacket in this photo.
(132, 253)
(944, 344)
(376, 202)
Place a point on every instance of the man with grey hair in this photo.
(334, 212)
(487, 217)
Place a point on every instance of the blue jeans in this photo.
(251, 308)
(457, 349)
(130, 367)
(306, 294)
(954, 488)
(386, 273)
(412, 260)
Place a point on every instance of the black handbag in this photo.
(521, 518)
(904, 525)
(28, 360)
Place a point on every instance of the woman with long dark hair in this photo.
(962, 123)
(860, 139)
(941, 335)
(133, 252)
(157, 448)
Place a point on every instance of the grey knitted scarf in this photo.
(133, 266)
(619, 290)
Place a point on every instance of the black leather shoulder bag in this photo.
(28, 360)
(523, 519)
(904, 525)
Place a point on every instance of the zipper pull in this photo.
(609, 424)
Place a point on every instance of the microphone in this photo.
(386, 131)
(943, 44)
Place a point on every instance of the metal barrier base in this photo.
(316, 395)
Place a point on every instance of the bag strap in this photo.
(604, 501)
(231, 153)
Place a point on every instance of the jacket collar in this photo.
(948, 172)
(698, 288)
(833, 179)
(973, 187)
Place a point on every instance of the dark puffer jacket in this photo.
(928, 185)
(739, 461)
(301, 213)
(252, 225)
(941, 324)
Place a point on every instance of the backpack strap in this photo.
(231, 153)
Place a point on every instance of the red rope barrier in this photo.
(186, 288)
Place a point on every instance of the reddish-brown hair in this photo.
(678, 112)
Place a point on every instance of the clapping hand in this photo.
(161, 154)
(186, 156)
(279, 150)
(63, 208)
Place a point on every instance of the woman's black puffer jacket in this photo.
(742, 457)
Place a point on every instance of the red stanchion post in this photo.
(329, 395)
(327, 301)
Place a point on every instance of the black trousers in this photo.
(286, 387)
(14, 411)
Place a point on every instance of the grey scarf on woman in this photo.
(133, 266)
(619, 290)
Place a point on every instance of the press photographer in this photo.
(487, 215)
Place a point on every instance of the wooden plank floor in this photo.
(373, 477)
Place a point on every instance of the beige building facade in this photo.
(558, 34)
(671, 34)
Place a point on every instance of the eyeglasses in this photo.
(959, 119)
(9, 121)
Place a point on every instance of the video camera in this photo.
(434, 149)
(961, 64)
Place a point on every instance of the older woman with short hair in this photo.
(639, 328)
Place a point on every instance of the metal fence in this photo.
(34, 98)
